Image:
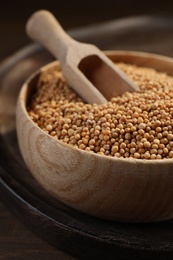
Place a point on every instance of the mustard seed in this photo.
(142, 126)
(127, 136)
(49, 128)
(134, 125)
(147, 144)
(147, 155)
(153, 156)
(115, 149)
(77, 136)
(136, 155)
(171, 154)
(70, 132)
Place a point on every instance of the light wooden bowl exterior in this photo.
(126, 190)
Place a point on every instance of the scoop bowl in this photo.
(125, 190)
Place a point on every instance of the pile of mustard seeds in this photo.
(135, 125)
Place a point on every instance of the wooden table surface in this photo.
(16, 241)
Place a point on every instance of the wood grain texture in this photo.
(128, 190)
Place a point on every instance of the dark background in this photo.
(71, 14)
(16, 241)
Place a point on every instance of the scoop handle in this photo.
(43, 27)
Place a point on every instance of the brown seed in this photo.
(136, 125)
(147, 144)
(127, 136)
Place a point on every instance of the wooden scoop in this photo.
(86, 69)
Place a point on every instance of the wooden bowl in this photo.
(126, 190)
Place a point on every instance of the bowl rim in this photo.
(129, 160)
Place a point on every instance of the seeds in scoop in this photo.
(135, 125)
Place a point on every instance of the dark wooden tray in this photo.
(78, 234)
